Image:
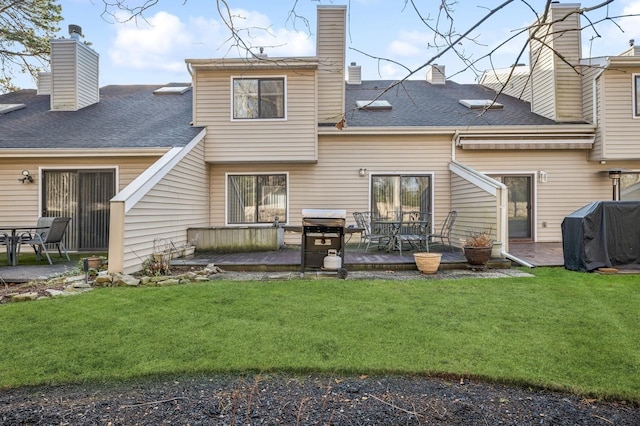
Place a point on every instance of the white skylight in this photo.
(481, 104)
(171, 90)
(5, 108)
(376, 105)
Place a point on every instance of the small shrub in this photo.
(156, 265)
(479, 239)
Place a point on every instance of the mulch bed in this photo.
(305, 400)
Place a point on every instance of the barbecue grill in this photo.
(323, 241)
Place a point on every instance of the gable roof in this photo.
(419, 103)
(126, 117)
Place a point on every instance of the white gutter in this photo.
(454, 143)
(594, 92)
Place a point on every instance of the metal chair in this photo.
(363, 220)
(413, 229)
(4, 241)
(445, 230)
(52, 236)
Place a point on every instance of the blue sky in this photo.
(153, 51)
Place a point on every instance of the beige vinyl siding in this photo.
(334, 181)
(568, 82)
(476, 209)
(178, 201)
(542, 87)
(74, 75)
(588, 75)
(88, 85)
(556, 85)
(330, 51)
(598, 150)
(25, 202)
(517, 85)
(620, 130)
(231, 141)
(572, 182)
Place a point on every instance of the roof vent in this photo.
(5, 108)
(374, 105)
(75, 31)
(481, 104)
(435, 74)
(172, 90)
(261, 55)
(354, 75)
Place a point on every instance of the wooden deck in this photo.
(288, 259)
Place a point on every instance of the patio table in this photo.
(14, 239)
(395, 229)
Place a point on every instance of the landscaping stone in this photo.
(121, 280)
(23, 297)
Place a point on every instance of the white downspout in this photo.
(516, 259)
(454, 141)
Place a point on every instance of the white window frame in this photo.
(635, 107)
(431, 176)
(283, 221)
(257, 77)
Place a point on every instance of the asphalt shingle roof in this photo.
(126, 117)
(419, 103)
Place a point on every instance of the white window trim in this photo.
(432, 176)
(634, 110)
(42, 169)
(534, 197)
(257, 77)
(226, 199)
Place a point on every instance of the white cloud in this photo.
(163, 42)
(155, 45)
(409, 44)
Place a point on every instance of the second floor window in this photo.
(258, 98)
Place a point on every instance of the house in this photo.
(249, 143)
(83, 146)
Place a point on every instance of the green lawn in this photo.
(564, 330)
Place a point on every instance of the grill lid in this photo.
(324, 213)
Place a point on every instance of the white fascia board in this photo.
(85, 152)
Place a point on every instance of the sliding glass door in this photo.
(84, 196)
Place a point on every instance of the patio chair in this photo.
(368, 236)
(52, 236)
(4, 241)
(445, 230)
(413, 229)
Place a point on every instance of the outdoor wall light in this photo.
(26, 177)
(362, 172)
(542, 176)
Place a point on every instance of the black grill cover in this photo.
(602, 234)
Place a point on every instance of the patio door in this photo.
(394, 195)
(520, 205)
(84, 196)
